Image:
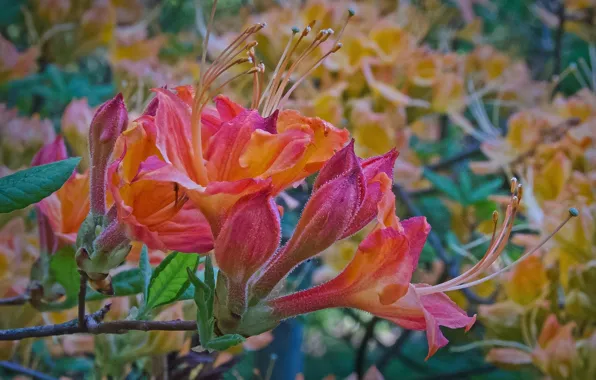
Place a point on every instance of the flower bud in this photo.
(109, 121)
(337, 197)
(248, 237)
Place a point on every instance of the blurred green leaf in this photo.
(444, 184)
(224, 342)
(485, 189)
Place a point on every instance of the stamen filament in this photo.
(494, 250)
(281, 60)
(572, 214)
(321, 37)
(351, 13)
(307, 73)
(278, 76)
(195, 119)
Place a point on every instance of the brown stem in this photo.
(95, 326)
(21, 299)
(82, 294)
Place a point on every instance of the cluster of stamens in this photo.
(274, 95)
(497, 245)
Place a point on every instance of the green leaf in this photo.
(29, 186)
(465, 185)
(63, 271)
(209, 273)
(486, 189)
(146, 271)
(444, 184)
(169, 280)
(224, 342)
(202, 295)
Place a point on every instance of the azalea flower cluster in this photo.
(187, 169)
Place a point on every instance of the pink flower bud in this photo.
(372, 169)
(51, 152)
(249, 236)
(109, 121)
(337, 198)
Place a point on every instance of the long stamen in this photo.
(321, 37)
(351, 14)
(195, 119)
(307, 73)
(572, 213)
(494, 250)
(281, 60)
(282, 67)
(224, 61)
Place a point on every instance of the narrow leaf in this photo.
(465, 185)
(30, 186)
(205, 320)
(224, 342)
(169, 280)
(145, 268)
(486, 189)
(209, 273)
(443, 184)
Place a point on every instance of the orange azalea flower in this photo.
(378, 280)
(62, 213)
(215, 157)
(555, 354)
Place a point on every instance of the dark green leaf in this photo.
(145, 268)
(29, 186)
(169, 280)
(444, 184)
(224, 342)
(465, 185)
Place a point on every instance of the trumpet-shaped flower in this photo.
(345, 197)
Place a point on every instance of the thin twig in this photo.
(21, 299)
(94, 325)
(361, 353)
(14, 367)
(117, 327)
(82, 295)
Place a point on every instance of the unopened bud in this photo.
(109, 122)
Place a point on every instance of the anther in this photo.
(513, 185)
